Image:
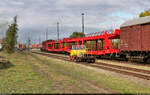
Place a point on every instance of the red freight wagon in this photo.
(135, 38)
(135, 35)
(130, 38)
(145, 36)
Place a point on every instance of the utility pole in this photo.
(82, 23)
(46, 35)
(58, 30)
(29, 43)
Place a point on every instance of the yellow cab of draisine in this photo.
(78, 50)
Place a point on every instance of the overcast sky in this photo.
(35, 17)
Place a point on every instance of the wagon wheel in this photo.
(88, 60)
(148, 60)
(76, 59)
(92, 60)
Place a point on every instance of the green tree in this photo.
(11, 37)
(77, 34)
(145, 13)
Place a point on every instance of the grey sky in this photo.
(35, 16)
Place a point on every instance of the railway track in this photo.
(140, 73)
(128, 62)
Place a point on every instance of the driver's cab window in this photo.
(73, 47)
(80, 47)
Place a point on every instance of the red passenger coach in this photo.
(64, 45)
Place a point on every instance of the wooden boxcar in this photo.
(135, 37)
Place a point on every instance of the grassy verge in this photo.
(21, 77)
(101, 79)
(62, 80)
(32, 73)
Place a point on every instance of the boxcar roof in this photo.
(137, 21)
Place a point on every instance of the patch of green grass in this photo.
(105, 80)
(22, 78)
(39, 74)
(61, 80)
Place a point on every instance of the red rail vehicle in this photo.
(134, 36)
(65, 44)
(36, 46)
(134, 39)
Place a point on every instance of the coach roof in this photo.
(137, 21)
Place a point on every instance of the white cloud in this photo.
(17, 3)
(37, 15)
(3, 23)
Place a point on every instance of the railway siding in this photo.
(117, 63)
(126, 68)
(125, 72)
(115, 68)
(122, 63)
(98, 76)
